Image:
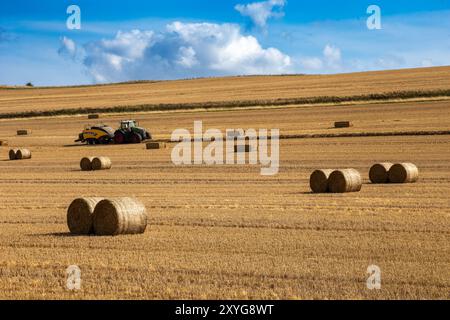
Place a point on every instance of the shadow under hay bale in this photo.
(101, 163)
(318, 180)
(345, 180)
(379, 172)
(119, 216)
(23, 132)
(403, 173)
(342, 124)
(80, 215)
(86, 164)
(155, 145)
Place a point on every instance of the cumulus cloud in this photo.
(331, 60)
(260, 12)
(183, 50)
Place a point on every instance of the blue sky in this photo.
(184, 39)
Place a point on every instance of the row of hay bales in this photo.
(350, 180)
(19, 154)
(95, 163)
(99, 216)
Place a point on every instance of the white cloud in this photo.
(260, 12)
(184, 50)
(332, 56)
(68, 48)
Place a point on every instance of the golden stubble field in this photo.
(226, 231)
(224, 89)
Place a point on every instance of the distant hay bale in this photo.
(23, 132)
(319, 180)
(13, 154)
(3, 143)
(80, 213)
(101, 163)
(155, 145)
(345, 180)
(22, 154)
(342, 124)
(119, 216)
(93, 116)
(403, 173)
(242, 148)
(379, 172)
(86, 163)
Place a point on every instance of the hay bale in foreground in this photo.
(345, 180)
(80, 213)
(342, 124)
(242, 148)
(403, 173)
(23, 132)
(13, 154)
(119, 216)
(379, 172)
(155, 145)
(3, 143)
(93, 116)
(318, 180)
(86, 163)
(101, 163)
(22, 154)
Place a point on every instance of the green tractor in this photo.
(130, 132)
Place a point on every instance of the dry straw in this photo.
(101, 163)
(379, 172)
(156, 145)
(119, 216)
(23, 154)
(79, 215)
(345, 180)
(86, 163)
(403, 173)
(319, 180)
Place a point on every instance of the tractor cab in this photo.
(128, 124)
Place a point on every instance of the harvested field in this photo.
(226, 231)
(233, 90)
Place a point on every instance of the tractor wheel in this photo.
(136, 138)
(119, 138)
(104, 140)
(90, 141)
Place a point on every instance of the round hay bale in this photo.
(403, 173)
(86, 163)
(345, 180)
(119, 216)
(80, 213)
(23, 154)
(342, 124)
(318, 180)
(155, 145)
(13, 154)
(379, 172)
(101, 163)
